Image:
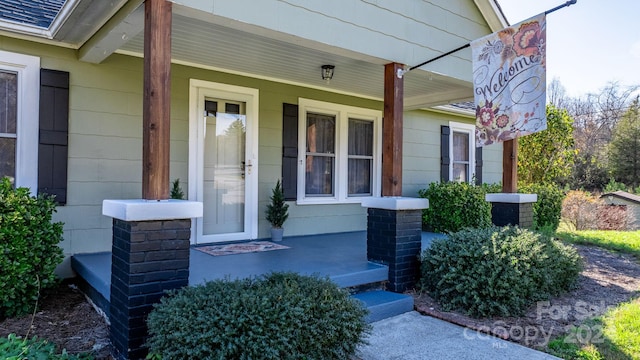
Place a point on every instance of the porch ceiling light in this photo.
(327, 72)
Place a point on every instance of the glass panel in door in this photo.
(224, 167)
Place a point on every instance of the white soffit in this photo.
(198, 41)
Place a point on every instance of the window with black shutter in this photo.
(53, 130)
(457, 153)
(290, 151)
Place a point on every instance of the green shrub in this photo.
(17, 348)
(277, 316)
(277, 209)
(29, 248)
(548, 208)
(176, 190)
(497, 271)
(613, 186)
(491, 188)
(454, 206)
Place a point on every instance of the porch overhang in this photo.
(292, 43)
(260, 52)
(73, 24)
(128, 22)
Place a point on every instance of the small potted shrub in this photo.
(277, 212)
(176, 190)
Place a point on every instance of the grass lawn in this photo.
(627, 242)
(616, 334)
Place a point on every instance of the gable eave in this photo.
(75, 23)
(492, 13)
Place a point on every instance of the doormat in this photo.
(240, 248)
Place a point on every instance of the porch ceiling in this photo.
(222, 44)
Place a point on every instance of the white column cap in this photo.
(395, 203)
(146, 210)
(512, 198)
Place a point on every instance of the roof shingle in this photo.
(40, 13)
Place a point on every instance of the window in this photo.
(19, 99)
(8, 121)
(339, 152)
(462, 152)
(360, 157)
(320, 154)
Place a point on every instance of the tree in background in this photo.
(624, 150)
(548, 155)
(595, 119)
(557, 94)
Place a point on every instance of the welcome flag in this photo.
(509, 78)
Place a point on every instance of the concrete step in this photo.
(384, 304)
(94, 276)
(374, 273)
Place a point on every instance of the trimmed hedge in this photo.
(454, 206)
(547, 210)
(29, 248)
(277, 316)
(497, 271)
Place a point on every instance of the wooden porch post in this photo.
(157, 100)
(392, 131)
(510, 166)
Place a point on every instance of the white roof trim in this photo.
(492, 13)
(26, 29)
(453, 110)
(63, 15)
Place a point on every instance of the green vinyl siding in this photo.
(105, 143)
(421, 151)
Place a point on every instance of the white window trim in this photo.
(342, 114)
(28, 69)
(471, 130)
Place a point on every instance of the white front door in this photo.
(223, 158)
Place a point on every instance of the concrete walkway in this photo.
(412, 336)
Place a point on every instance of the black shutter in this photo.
(290, 151)
(444, 153)
(478, 166)
(54, 125)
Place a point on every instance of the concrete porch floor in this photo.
(341, 256)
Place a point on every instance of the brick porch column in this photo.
(394, 237)
(512, 209)
(150, 255)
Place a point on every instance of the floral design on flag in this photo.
(509, 75)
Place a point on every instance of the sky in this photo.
(589, 44)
